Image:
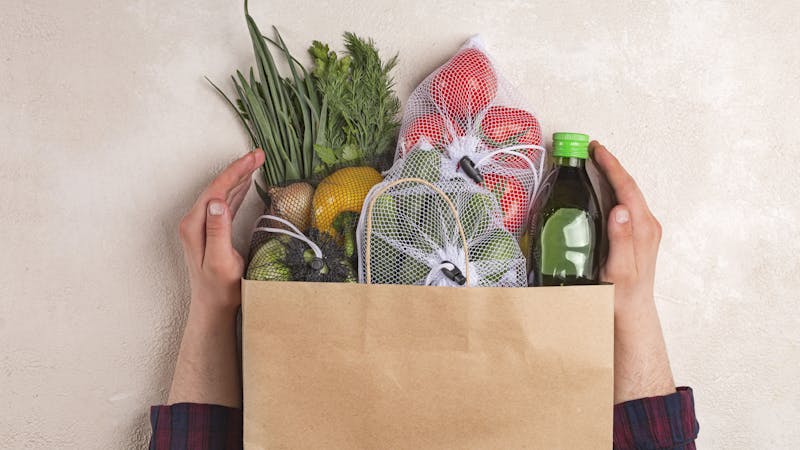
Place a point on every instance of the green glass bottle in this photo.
(566, 230)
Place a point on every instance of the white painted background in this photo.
(108, 132)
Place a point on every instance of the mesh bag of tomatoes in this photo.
(482, 127)
(418, 228)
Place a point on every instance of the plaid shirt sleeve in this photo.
(657, 423)
(653, 423)
(195, 426)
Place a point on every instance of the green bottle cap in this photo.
(571, 145)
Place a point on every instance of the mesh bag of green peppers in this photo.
(419, 229)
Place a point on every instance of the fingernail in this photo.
(216, 208)
(622, 216)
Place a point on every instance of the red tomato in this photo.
(465, 85)
(512, 197)
(503, 127)
(431, 127)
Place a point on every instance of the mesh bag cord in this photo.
(292, 232)
(291, 201)
(267, 259)
(369, 210)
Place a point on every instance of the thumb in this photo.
(621, 263)
(218, 231)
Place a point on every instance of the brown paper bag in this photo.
(350, 366)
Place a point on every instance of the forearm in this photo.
(207, 370)
(641, 363)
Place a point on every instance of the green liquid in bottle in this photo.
(566, 232)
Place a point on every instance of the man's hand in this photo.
(215, 268)
(641, 364)
(207, 370)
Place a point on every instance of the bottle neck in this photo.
(565, 161)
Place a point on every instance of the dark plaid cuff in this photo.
(657, 423)
(193, 426)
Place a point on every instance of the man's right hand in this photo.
(641, 364)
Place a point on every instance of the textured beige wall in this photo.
(107, 133)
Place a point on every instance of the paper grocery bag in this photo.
(351, 366)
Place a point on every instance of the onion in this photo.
(293, 203)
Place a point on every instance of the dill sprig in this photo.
(362, 108)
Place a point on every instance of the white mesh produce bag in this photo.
(483, 127)
(448, 233)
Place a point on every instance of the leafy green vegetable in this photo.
(326, 154)
(361, 106)
(281, 115)
(344, 112)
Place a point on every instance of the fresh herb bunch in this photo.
(361, 106)
(343, 113)
(281, 115)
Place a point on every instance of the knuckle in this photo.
(628, 184)
(215, 228)
(618, 275)
(213, 222)
(223, 270)
(183, 227)
(651, 230)
(652, 226)
(224, 180)
(621, 232)
(217, 266)
(658, 230)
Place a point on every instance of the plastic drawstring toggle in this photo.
(462, 151)
(454, 274)
(468, 166)
(316, 264)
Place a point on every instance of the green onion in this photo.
(280, 115)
